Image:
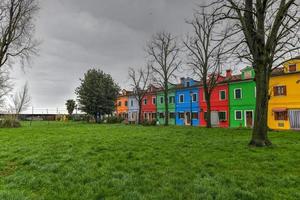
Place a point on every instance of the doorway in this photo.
(215, 118)
(249, 119)
(187, 118)
(294, 117)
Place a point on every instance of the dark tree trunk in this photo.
(140, 113)
(208, 113)
(166, 105)
(260, 129)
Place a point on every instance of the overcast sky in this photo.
(107, 34)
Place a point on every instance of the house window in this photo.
(195, 115)
(280, 115)
(188, 84)
(181, 98)
(222, 116)
(222, 95)
(145, 101)
(181, 115)
(145, 115)
(205, 116)
(279, 90)
(194, 97)
(292, 68)
(153, 115)
(247, 74)
(238, 115)
(153, 100)
(161, 115)
(119, 103)
(172, 115)
(172, 99)
(238, 93)
(126, 103)
(131, 102)
(161, 100)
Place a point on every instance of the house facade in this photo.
(149, 104)
(218, 101)
(133, 109)
(122, 104)
(160, 105)
(284, 103)
(187, 102)
(242, 99)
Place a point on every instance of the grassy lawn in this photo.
(81, 161)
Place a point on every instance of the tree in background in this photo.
(20, 101)
(140, 81)
(16, 30)
(205, 52)
(5, 87)
(266, 34)
(164, 53)
(97, 93)
(71, 105)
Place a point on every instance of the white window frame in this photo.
(145, 101)
(161, 100)
(153, 100)
(182, 98)
(245, 117)
(225, 114)
(235, 115)
(193, 97)
(221, 95)
(235, 94)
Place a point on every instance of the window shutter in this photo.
(284, 90)
(275, 91)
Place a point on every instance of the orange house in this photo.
(122, 104)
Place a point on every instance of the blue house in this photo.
(133, 109)
(187, 102)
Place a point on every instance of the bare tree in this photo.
(266, 34)
(16, 30)
(5, 86)
(206, 52)
(140, 80)
(164, 52)
(20, 101)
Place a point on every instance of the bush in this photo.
(9, 122)
(114, 120)
(148, 123)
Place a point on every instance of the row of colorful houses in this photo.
(232, 101)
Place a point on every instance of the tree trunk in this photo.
(260, 129)
(166, 104)
(140, 113)
(208, 113)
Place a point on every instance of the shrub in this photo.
(114, 120)
(9, 122)
(148, 123)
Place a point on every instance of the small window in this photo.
(279, 90)
(131, 103)
(188, 84)
(119, 103)
(145, 101)
(172, 99)
(181, 98)
(161, 100)
(281, 115)
(222, 95)
(161, 115)
(153, 100)
(126, 103)
(195, 115)
(238, 115)
(145, 115)
(181, 115)
(222, 116)
(247, 74)
(172, 115)
(153, 115)
(238, 93)
(292, 68)
(205, 116)
(194, 97)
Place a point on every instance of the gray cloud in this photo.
(109, 34)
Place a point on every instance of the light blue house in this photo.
(133, 110)
(187, 102)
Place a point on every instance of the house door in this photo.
(214, 118)
(187, 119)
(294, 116)
(249, 119)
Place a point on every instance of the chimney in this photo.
(228, 73)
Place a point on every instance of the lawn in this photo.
(86, 161)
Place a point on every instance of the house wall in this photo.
(149, 107)
(290, 101)
(187, 106)
(160, 107)
(123, 109)
(216, 104)
(246, 103)
(133, 109)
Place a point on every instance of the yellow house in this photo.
(284, 103)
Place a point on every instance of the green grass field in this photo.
(86, 161)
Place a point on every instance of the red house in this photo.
(219, 103)
(149, 104)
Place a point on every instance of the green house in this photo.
(160, 106)
(242, 99)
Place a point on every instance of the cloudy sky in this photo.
(107, 34)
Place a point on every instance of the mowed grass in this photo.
(88, 161)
